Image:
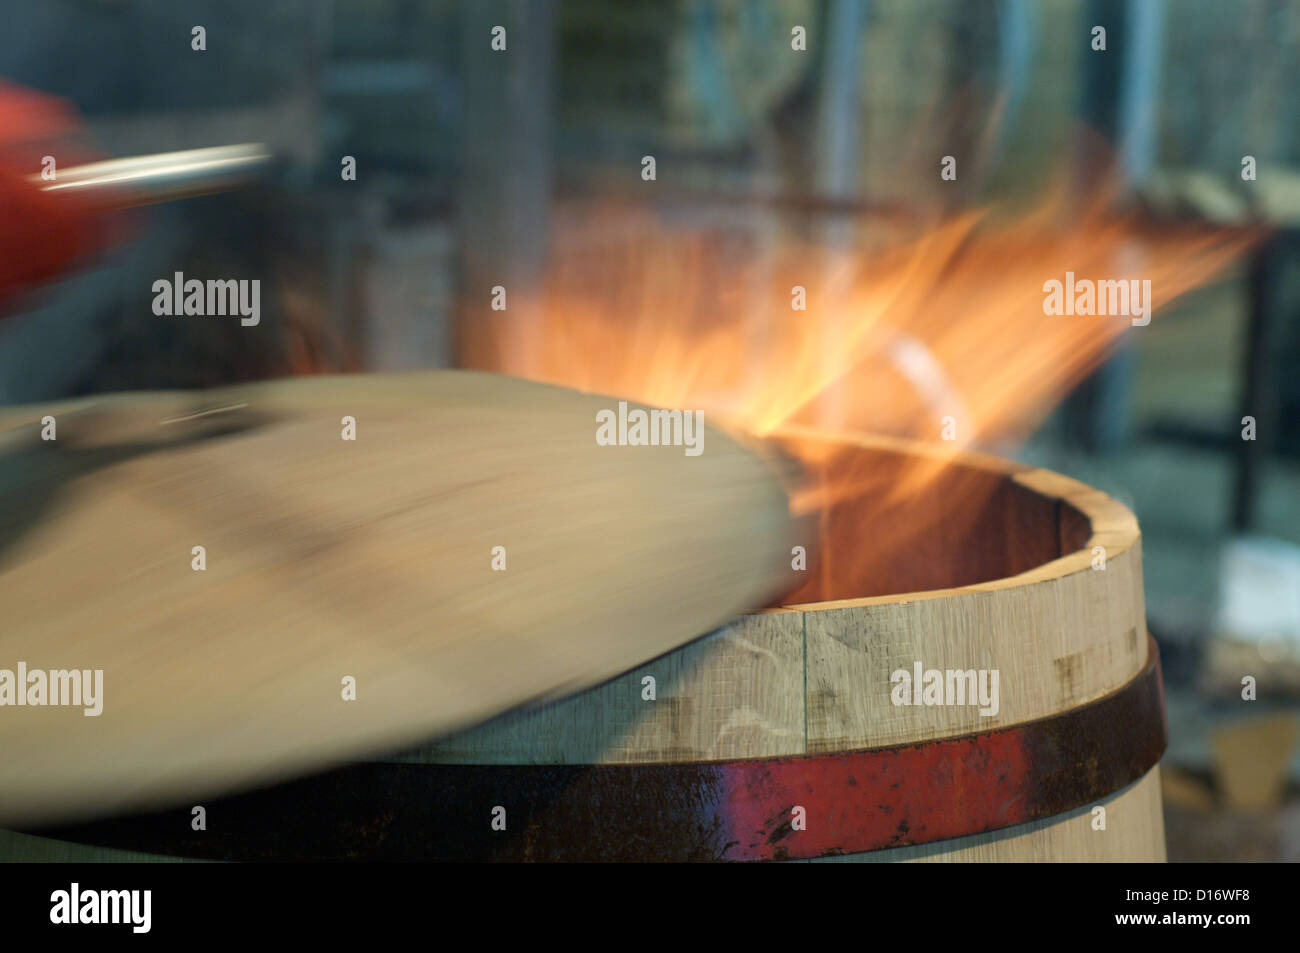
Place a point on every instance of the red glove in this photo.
(42, 233)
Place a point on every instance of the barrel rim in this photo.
(1113, 525)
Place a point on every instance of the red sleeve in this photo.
(42, 233)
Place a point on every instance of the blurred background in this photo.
(467, 170)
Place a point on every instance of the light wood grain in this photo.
(738, 692)
(815, 677)
(1060, 633)
(329, 558)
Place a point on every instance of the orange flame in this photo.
(940, 336)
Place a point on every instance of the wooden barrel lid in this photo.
(329, 558)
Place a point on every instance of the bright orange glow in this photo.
(940, 337)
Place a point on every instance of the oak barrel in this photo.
(816, 729)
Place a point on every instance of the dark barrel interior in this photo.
(910, 525)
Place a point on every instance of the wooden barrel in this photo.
(976, 683)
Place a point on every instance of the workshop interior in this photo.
(650, 430)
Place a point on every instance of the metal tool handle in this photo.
(146, 180)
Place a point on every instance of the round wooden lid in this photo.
(329, 563)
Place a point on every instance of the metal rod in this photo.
(145, 180)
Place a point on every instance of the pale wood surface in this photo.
(738, 692)
(1056, 644)
(816, 678)
(1060, 635)
(329, 558)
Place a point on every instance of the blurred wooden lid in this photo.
(329, 559)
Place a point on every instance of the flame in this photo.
(940, 336)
